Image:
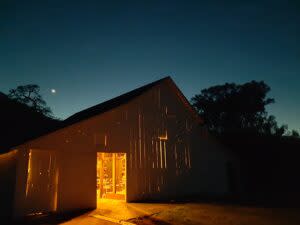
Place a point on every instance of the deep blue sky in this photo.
(91, 51)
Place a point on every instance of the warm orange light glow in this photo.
(161, 154)
(28, 173)
(111, 175)
(56, 190)
(42, 180)
(7, 156)
(165, 151)
(164, 137)
(105, 140)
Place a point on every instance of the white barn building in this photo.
(146, 144)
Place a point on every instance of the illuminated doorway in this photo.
(111, 176)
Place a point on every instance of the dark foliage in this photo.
(294, 134)
(232, 108)
(237, 116)
(30, 95)
(19, 123)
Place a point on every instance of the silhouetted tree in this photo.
(30, 95)
(20, 123)
(232, 108)
(293, 134)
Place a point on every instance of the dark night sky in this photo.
(91, 51)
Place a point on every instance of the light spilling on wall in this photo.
(42, 181)
(164, 137)
(28, 182)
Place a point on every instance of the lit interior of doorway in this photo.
(111, 176)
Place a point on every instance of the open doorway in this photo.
(111, 176)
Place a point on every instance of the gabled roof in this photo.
(112, 103)
(117, 101)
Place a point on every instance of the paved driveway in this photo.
(197, 214)
(88, 219)
(114, 212)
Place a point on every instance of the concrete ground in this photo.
(112, 212)
(194, 214)
(88, 219)
(123, 211)
(82, 217)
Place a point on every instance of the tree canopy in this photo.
(233, 108)
(30, 95)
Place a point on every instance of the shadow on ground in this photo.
(48, 219)
(148, 220)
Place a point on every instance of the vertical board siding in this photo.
(154, 130)
(161, 145)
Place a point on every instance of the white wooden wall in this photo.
(164, 144)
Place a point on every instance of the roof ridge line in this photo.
(112, 103)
